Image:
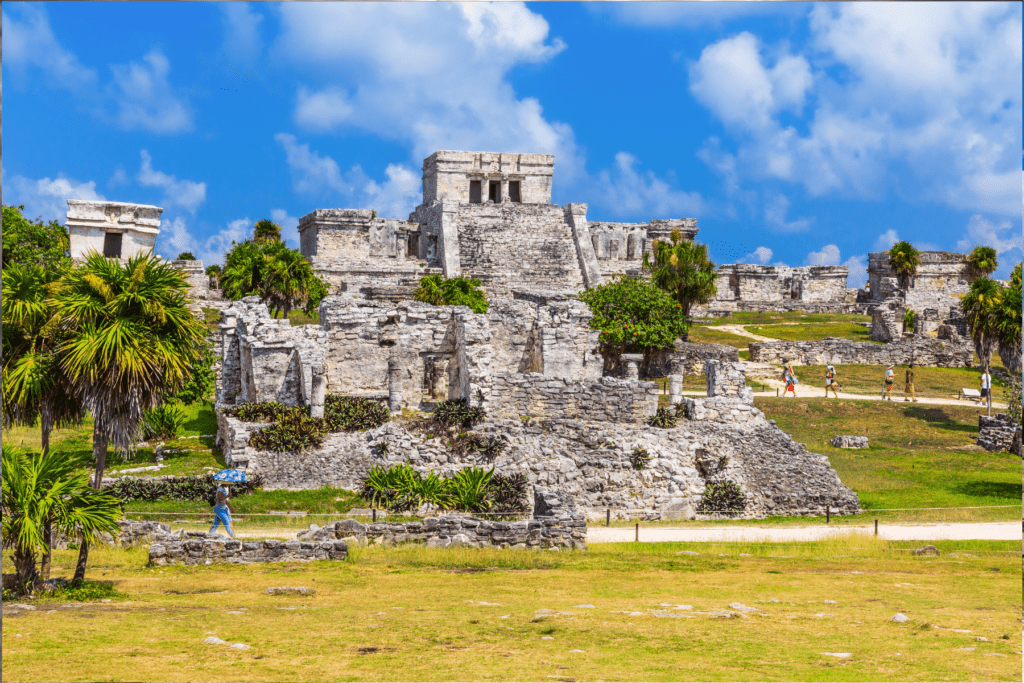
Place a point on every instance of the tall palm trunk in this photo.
(44, 565)
(25, 566)
(99, 452)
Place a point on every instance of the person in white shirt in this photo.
(890, 379)
(986, 384)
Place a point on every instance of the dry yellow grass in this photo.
(416, 614)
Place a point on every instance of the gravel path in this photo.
(988, 531)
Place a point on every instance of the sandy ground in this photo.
(987, 531)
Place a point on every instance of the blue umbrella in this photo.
(229, 476)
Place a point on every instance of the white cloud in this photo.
(761, 255)
(289, 226)
(118, 178)
(689, 14)
(46, 197)
(623, 191)
(145, 99)
(242, 42)
(828, 256)
(433, 76)
(321, 176)
(886, 240)
(184, 193)
(176, 236)
(858, 276)
(918, 99)
(982, 232)
(28, 41)
(775, 210)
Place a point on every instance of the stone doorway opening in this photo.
(475, 192)
(494, 191)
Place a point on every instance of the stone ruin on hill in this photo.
(533, 364)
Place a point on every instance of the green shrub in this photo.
(295, 431)
(472, 489)
(908, 319)
(163, 422)
(664, 418)
(80, 591)
(453, 291)
(348, 414)
(456, 413)
(509, 493)
(723, 496)
(186, 256)
(262, 411)
(185, 489)
(639, 458)
(469, 489)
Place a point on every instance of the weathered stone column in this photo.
(318, 394)
(675, 389)
(632, 365)
(395, 385)
(504, 189)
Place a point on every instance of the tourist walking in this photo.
(986, 385)
(908, 390)
(890, 379)
(790, 378)
(221, 509)
(830, 381)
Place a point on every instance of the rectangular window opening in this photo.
(112, 245)
(474, 192)
(494, 192)
(513, 191)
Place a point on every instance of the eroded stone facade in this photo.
(119, 230)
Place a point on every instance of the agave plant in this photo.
(469, 489)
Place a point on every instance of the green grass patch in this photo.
(706, 334)
(769, 317)
(211, 317)
(322, 501)
(920, 456)
(813, 331)
(464, 614)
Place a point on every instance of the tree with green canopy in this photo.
(42, 244)
(49, 492)
(186, 256)
(682, 268)
(982, 261)
(267, 231)
(904, 260)
(133, 343)
(213, 272)
(634, 316)
(1008, 323)
(283, 278)
(438, 290)
(979, 306)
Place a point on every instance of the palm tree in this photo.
(213, 272)
(1008, 323)
(682, 268)
(904, 260)
(49, 491)
(979, 306)
(267, 231)
(982, 261)
(282, 277)
(135, 343)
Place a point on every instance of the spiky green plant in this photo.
(283, 278)
(438, 290)
(266, 231)
(982, 261)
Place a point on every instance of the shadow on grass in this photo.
(939, 418)
(205, 421)
(990, 489)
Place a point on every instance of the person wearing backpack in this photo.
(830, 381)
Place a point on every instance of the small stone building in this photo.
(942, 279)
(115, 229)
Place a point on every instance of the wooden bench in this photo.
(971, 394)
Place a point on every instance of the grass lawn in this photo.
(920, 456)
(769, 317)
(869, 380)
(707, 334)
(813, 331)
(412, 614)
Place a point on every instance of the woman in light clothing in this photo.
(221, 509)
(890, 379)
(790, 378)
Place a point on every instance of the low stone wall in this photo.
(727, 410)
(687, 358)
(458, 531)
(199, 548)
(942, 353)
(543, 397)
(133, 532)
(996, 433)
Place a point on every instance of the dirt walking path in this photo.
(988, 531)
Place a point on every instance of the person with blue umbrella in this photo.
(221, 508)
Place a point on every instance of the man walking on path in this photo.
(986, 385)
(890, 379)
(221, 509)
(790, 378)
(830, 381)
(908, 391)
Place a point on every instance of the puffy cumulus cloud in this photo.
(984, 233)
(828, 256)
(886, 240)
(184, 193)
(831, 256)
(921, 99)
(775, 210)
(433, 76)
(29, 42)
(761, 255)
(321, 176)
(289, 226)
(732, 81)
(176, 236)
(48, 198)
(623, 190)
(145, 99)
(858, 266)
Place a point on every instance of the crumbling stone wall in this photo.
(997, 433)
(607, 399)
(942, 353)
(768, 286)
(195, 547)
(688, 358)
(942, 279)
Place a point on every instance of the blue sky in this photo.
(795, 133)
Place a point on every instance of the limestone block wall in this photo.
(744, 282)
(943, 353)
(447, 174)
(195, 275)
(688, 358)
(942, 279)
(727, 380)
(89, 221)
(607, 399)
(996, 433)
(199, 548)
